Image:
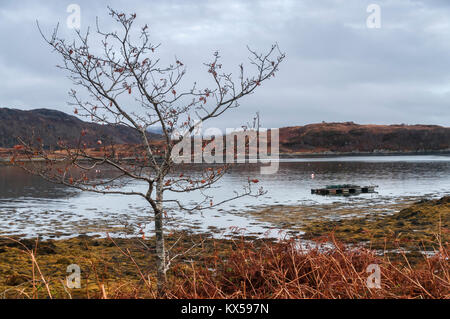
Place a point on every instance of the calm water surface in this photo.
(30, 206)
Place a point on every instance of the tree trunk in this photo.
(160, 247)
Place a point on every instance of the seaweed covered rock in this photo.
(414, 228)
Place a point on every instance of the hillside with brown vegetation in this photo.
(351, 137)
(51, 126)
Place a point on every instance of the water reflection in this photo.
(30, 206)
(15, 183)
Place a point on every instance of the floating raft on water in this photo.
(345, 189)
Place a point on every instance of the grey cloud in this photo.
(336, 68)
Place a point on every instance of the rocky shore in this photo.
(421, 227)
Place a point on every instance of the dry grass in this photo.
(263, 269)
(283, 270)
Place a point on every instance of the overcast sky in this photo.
(336, 69)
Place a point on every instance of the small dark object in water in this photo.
(344, 189)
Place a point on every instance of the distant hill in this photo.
(351, 137)
(50, 125)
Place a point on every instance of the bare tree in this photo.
(126, 71)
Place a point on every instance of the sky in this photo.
(338, 67)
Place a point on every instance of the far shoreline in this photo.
(358, 153)
(6, 161)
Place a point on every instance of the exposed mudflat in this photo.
(402, 224)
(113, 262)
